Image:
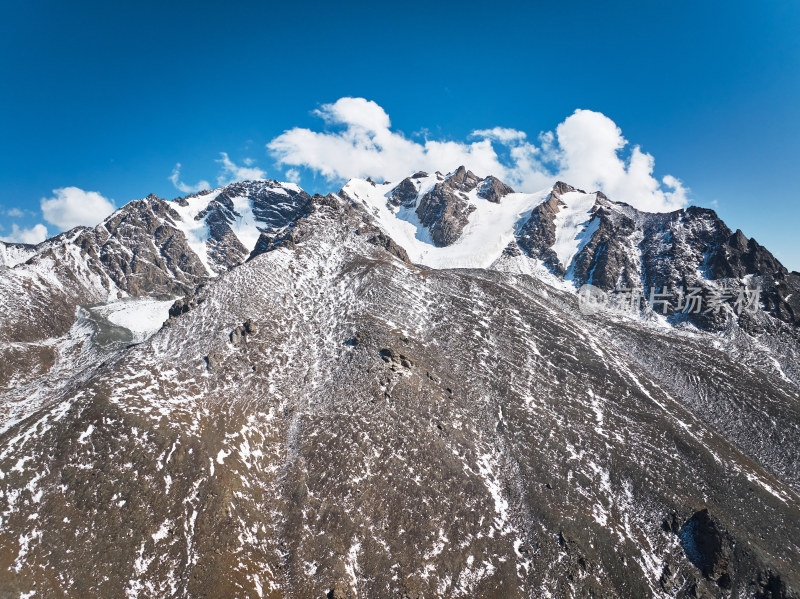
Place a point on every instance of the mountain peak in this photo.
(560, 188)
(462, 180)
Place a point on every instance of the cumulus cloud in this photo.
(501, 134)
(73, 207)
(586, 150)
(589, 146)
(14, 213)
(175, 177)
(365, 146)
(233, 172)
(36, 234)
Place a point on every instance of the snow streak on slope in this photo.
(244, 227)
(572, 229)
(196, 230)
(489, 231)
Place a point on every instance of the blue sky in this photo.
(109, 97)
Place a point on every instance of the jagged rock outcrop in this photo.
(445, 209)
(405, 194)
(619, 247)
(141, 250)
(493, 189)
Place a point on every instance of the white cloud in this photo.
(589, 157)
(175, 177)
(586, 150)
(14, 213)
(501, 134)
(73, 207)
(233, 172)
(357, 112)
(293, 175)
(366, 146)
(34, 235)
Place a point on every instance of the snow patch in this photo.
(574, 225)
(490, 228)
(142, 317)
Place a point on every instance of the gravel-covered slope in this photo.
(328, 418)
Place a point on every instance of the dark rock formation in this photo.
(445, 209)
(707, 546)
(186, 303)
(405, 194)
(241, 333)
(395, 359)
(492, 189)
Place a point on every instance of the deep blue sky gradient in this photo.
(109, 96)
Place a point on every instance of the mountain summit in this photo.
(394, 391)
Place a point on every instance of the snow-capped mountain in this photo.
(454, 222)
(150, 247)
(392, 392)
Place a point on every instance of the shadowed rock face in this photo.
(707, 547)
(273, 207)
(405, 194)
(327, 419)
(609, 260)
(681, 249)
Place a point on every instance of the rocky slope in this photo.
(620, 246)
(343, 405)
(149, 248)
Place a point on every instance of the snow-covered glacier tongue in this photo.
(392, 391)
